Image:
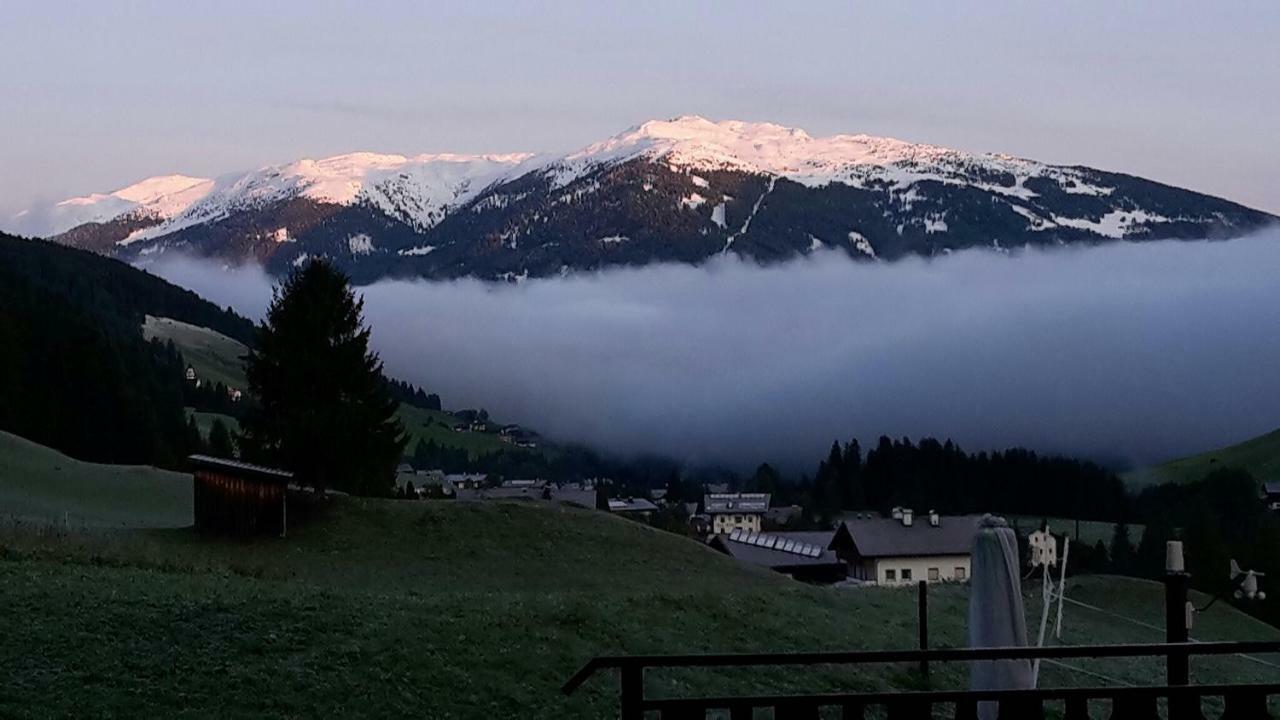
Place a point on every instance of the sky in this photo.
(1128, 353)
(96, 96)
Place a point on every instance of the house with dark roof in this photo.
(1271, 494)
(803, 556)
(632, 507)
(735, 511)
(905, 549)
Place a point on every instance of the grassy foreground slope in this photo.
(380, 608)
(42, 485)
(1260, 456)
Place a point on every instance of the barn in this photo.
(236, 498)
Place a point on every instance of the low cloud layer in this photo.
(1132, 352)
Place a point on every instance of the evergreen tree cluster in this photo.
(409, 394)
(75, 371)
(943, 477)
(213, 397)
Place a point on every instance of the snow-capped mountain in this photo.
(677, 190)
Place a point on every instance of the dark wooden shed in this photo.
(236, 498)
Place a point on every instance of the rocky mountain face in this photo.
(683, 190)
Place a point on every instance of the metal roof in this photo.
(240, 468)
(631, 505)
(886, 537)
(774, 550)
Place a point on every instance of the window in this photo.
(960, 573)
(890, 575)
(737, 518)
(906, 573)
(933, 574)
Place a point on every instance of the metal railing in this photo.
(1183, 701)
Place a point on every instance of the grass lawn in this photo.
(381, 608)
(41, 485)
(215, 357)
(422, 424)
(1260, 456)
(204, 421)
(1090, 531)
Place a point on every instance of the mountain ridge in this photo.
(678, 190)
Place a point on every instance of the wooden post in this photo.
(924, 627)
(1175, 624)
(632, 692)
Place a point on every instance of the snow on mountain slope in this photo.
(159, 197)
(694, 142)
(679, 190)
(416, 190)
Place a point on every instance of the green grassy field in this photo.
(380, 608)
(1260, 456)
(43, 486)
(422, 424)
(215, 357)
(1090, 531)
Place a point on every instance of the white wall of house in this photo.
(911, 570)
(728, 522)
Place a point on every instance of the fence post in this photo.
(924, 628)
(632, 692)
(1175, 623)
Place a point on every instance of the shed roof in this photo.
(631, 505)
(241, 469)
(1271, 488)
(886, 537)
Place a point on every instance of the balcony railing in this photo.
(1182, 701)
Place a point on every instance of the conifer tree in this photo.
(324, 409)
(220, 443)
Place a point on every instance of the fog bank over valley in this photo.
(1130, 352)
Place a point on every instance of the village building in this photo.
(903, 549)
(637, 508)
(191, 373)
(794, 554)
(735, 511)
(466, 481)
(783, 515)
(1271, 495)
(235, 498)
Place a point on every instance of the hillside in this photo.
(379, 608)
(1260, 456)
(214, 356)
(681, 190)
(77, 373)
(44, 486)
(218, 358)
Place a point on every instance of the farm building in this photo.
(236, 498)
(632, 507)
(902, 549)
(735, 511)
(787, 553)
(1271, 494)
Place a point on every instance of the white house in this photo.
(904, 549)
(735, 511)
